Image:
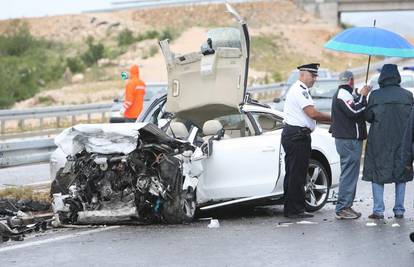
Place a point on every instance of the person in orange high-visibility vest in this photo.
(134, 96)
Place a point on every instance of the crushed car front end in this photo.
(115, 177)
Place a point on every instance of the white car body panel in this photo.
(240, 167)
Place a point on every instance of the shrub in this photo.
(94, 52)
(126, 37)
(276, 76)
(17, 39)
(167, 34)
(75, 64)
(151, 34)
(46, 100)
(26, 63)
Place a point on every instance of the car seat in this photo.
(177, 130)
(213, 127)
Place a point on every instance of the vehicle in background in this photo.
(322, 75)
(321, 92)
(152, 90)
(407, 79)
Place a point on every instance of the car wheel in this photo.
(181, 207)
(317, 186)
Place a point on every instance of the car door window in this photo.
(235, 125)
(267, 122)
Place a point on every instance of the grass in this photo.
(25, 193)
(269, 55)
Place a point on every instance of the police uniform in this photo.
(296, 142)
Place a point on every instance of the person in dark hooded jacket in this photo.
(388, 111)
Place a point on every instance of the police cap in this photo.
(312, 68)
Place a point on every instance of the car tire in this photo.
(317, 186)
(181, 207)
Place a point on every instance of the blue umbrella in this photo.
(371, 41)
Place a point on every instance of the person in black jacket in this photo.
(388, 111)
(349, 130)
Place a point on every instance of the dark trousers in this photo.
(296, 142)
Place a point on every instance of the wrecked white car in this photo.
(204, 145)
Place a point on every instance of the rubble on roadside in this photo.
(22, 211)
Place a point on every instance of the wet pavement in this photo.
(24, 175)
(259, 237)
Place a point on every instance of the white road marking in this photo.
(59, 238)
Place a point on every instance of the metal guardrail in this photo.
(49, 112)
(57, 112)
(87, 109)
(26, 151)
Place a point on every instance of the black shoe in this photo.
(301, 215)
(374, 216)
(399, 216)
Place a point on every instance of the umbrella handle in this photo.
(369, 62)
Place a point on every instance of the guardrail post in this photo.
(41, 123)
(89, 117)
(2, 126)
(20, 124)
(73, 119)
(103, 117)
(58, 122)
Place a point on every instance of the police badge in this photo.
(305, 94)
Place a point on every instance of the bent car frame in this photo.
(204, 145)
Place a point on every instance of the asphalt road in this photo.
(24, 175)
(244, 238)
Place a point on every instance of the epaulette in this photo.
(303, 87)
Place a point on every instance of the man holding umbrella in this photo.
(300, 121)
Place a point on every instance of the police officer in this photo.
(300, 121)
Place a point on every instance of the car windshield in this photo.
(406, 81)
(324, 88)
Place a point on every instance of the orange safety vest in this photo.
(134, 94)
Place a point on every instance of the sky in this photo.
(398, 21)
(38, 8)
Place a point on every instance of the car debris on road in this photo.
(15, 223)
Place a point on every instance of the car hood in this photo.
(99, 138)
(212, 82)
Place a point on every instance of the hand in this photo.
(408, 168)
(122, 111)
(365, 90)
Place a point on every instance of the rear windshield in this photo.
(225, 37)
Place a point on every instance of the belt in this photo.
(299, 128)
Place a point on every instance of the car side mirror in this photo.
(276, 100)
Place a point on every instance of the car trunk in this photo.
(210, 83)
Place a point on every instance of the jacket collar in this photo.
(346, 87)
